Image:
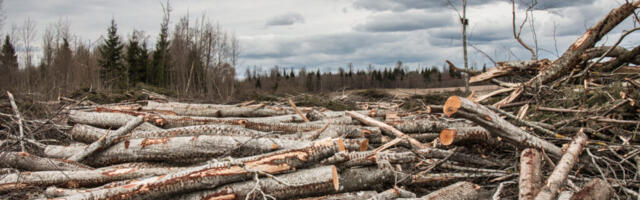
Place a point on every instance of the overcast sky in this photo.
(331, 33)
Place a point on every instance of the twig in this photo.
(317, 133)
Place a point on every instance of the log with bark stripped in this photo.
(457, 106)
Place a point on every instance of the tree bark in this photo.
(530, 174)
(107, 140)
(596, 189)
(462, 107)
(302, 183)
(107, 120)
(75, 179)
(428, 125)
(559, 175)
(216, 174)
(466, 134)
(458, 191)
(393, 193)
(385, 127)
(345, 196)
(350, 159)
(29, 162)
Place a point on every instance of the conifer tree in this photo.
(8, 57)
(161, 57)
(113, 72)
(137, 59)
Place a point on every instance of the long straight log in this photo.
(385, 127)
(107, 140)
(29, 162)
(365, 158)
(216, 174)
(107, 120)
(428, 125)
(212, 110)
(88, 134)
(303, 183)
(180, 121)
(457, 106)
(559, 175)
(530, 178)
(75, 179)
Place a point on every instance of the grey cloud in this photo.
(405, 21)
(285, 19)
(402, 5)
(548, 4)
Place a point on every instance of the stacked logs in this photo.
(464, 149)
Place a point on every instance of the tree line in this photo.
(195, 57)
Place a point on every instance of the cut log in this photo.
(530, 179)
(88, 134)
(217, 174)
(155, 119)
(466, 134)
(107, 140)
(214, 110)
(365, 158)
(596, 189)
(428, 125)
(75, 179)
(28, 162)
(458, 191)
(107, 120)
(181, 121)
(303, 183)
(385, 127)
(462, 107)
(559, 175)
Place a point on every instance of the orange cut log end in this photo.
(336, 178)
(452, 105)
(447, 136)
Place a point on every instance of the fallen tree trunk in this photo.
(530, 178)
(385, 127)
(303, 183)
(350, 159)
(28, 162)
(462, 107)
(393, 193)
(107, 120)
(216, 174)
(107, 140)
(75, 179)
(428, 126)
(559, 175)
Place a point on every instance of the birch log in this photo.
(217, 174)
(457, 106)
(559, 175)
(107, 120)
(107, 140)
(385, 127)
(303, 183)
(29, 162)
(428, 125)
(530, 179)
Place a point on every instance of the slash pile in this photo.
(580, 143)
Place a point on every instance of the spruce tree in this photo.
(161, 57)
(113, 72)
(137, 59)
(8, 57)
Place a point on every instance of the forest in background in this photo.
(194, 59)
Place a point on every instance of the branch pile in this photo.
(580, 143)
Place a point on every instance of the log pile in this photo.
(570, 132)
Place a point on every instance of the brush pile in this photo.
(570, 132)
